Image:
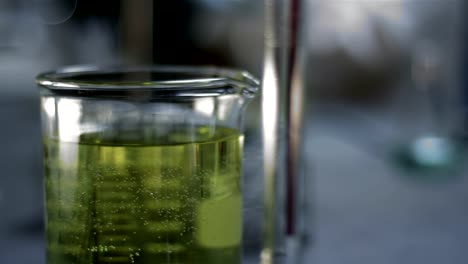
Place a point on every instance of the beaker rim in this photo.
(153, 81)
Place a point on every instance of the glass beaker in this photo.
(143, 164)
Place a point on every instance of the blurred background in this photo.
(385, 126)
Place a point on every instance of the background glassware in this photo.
(433, 141)
(283, 105)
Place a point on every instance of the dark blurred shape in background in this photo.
(382, 75)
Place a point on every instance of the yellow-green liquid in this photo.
(163, 200)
